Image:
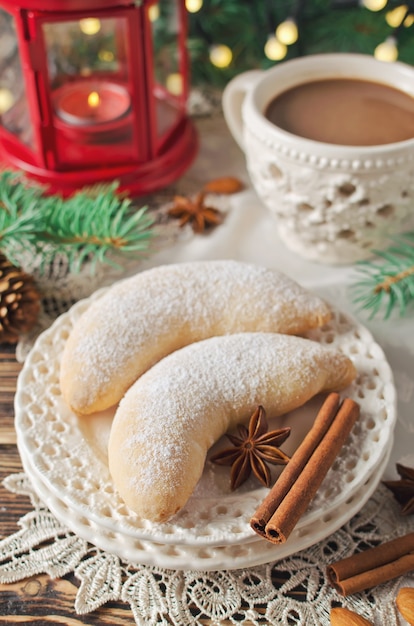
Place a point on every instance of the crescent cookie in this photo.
(143, 318)
(170, 417)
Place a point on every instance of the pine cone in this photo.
(19, 301)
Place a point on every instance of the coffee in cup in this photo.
(344, 111)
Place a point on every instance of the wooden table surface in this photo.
(39, 600)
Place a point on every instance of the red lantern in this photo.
(95, 90)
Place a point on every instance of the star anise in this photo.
(254, 447)
(403, 489)
(195, 212)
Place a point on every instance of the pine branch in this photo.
(387, 283)
(94, 224)
(97, 226)
(20, 217)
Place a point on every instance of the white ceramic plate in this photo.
(67, 454)
(205, 558)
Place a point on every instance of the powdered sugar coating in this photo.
(143, 318)
(174, 413)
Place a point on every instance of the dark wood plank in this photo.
(9, 370)
(12, 506)
(41, 600)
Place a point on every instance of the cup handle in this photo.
(233, 97)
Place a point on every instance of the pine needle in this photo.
(95, 225)
(387, 282)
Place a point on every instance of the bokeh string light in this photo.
(287, 31)
(374, 5)
(388, 49)
(274, 49)
(284, 34)
(90, 25)
(193, 6)
(221, 55)
(394, 17)
(154, 12)
(243, 35)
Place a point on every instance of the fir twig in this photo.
(20, 217)
(93, 224)
(97, 226)
(387, 282)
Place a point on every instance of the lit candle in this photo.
(88, 104)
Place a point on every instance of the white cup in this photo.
(334, 204)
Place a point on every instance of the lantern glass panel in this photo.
(14, 110)
(90, 89)
(168, 74)
(84, 47)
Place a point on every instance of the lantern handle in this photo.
(233, 98)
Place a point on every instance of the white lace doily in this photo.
(293, 591)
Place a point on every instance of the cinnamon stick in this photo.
(296, 464)
(290, 497)
(302, 492)
(374, 566)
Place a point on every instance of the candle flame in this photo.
(94, 99)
